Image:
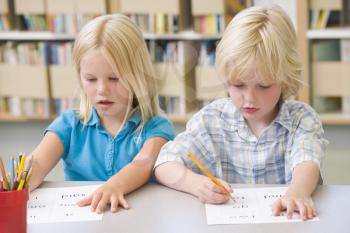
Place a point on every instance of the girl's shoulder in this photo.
(158, 121)
(70, 117)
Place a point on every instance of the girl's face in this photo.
(102, 86)
(258, 101)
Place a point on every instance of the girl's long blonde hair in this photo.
(122, 44)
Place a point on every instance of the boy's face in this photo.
(103, 88)
(257, 100)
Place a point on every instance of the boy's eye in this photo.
(238, 85)
(264, 86)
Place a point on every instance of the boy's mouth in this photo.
(249, 109)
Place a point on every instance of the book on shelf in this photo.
(325, 50)
(23, 63)
(345, 50)
(159, 23)
(346, 104)
(327, 104)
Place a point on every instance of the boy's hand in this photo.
(303, 204)
(210, 193)
(104, 195)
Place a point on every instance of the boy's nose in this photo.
(250, 96)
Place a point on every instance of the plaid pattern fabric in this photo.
(222, 141)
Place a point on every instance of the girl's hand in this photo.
(104, 195)
(210, 193)
(303, 204)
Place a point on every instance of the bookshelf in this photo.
(326, 53)
(187, 80)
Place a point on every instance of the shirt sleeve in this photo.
(62, 127)
(159, 127)
(196, 140)
(309, 143)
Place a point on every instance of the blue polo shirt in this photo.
(92, 154)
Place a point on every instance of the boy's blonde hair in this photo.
(123, 46)
(264, 37)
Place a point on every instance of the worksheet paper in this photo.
(47, 205)
(251, 205)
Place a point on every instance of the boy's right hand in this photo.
(210, 193)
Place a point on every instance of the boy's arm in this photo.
(177, 176)
(305, 179)
(298, 195)
(131, 177)
(45, 157)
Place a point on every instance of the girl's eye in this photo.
(90, 79)
(113, 78)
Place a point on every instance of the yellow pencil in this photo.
(207, 173)
(21, 165)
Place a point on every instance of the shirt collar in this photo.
(135, 117)
(283, 117)
(237, 122)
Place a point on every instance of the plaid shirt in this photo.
(223, 143)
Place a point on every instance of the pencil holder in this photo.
(13, 211)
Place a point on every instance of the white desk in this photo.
(157, 209)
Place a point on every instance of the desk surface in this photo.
(157, 209)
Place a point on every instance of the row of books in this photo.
(24, 53)
(63, 104)
(36, 53)
(207, 53)
(30, 107)
(69, 24)
(209, 24)
(173, 104)
(323, 14)
(331, 50)
(156, 23)
(322, 18)
(166, 51)
(5, 24)
(326, 104)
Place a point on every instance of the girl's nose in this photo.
(102, 87)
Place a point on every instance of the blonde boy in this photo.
(256, 136)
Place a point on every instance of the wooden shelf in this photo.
(335, 119)
(329, 33)
(34, 36)
(11, 118)
(49, 36)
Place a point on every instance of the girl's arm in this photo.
(126, 180)
(45, 157)
(298, 195)
(177, 176)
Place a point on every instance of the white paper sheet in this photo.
(252, 205)
(47, 205)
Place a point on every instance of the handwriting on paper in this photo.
(251, 205)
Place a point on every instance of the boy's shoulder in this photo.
(218, 106)
(294, 107)
(218, 110)
(299, 114)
